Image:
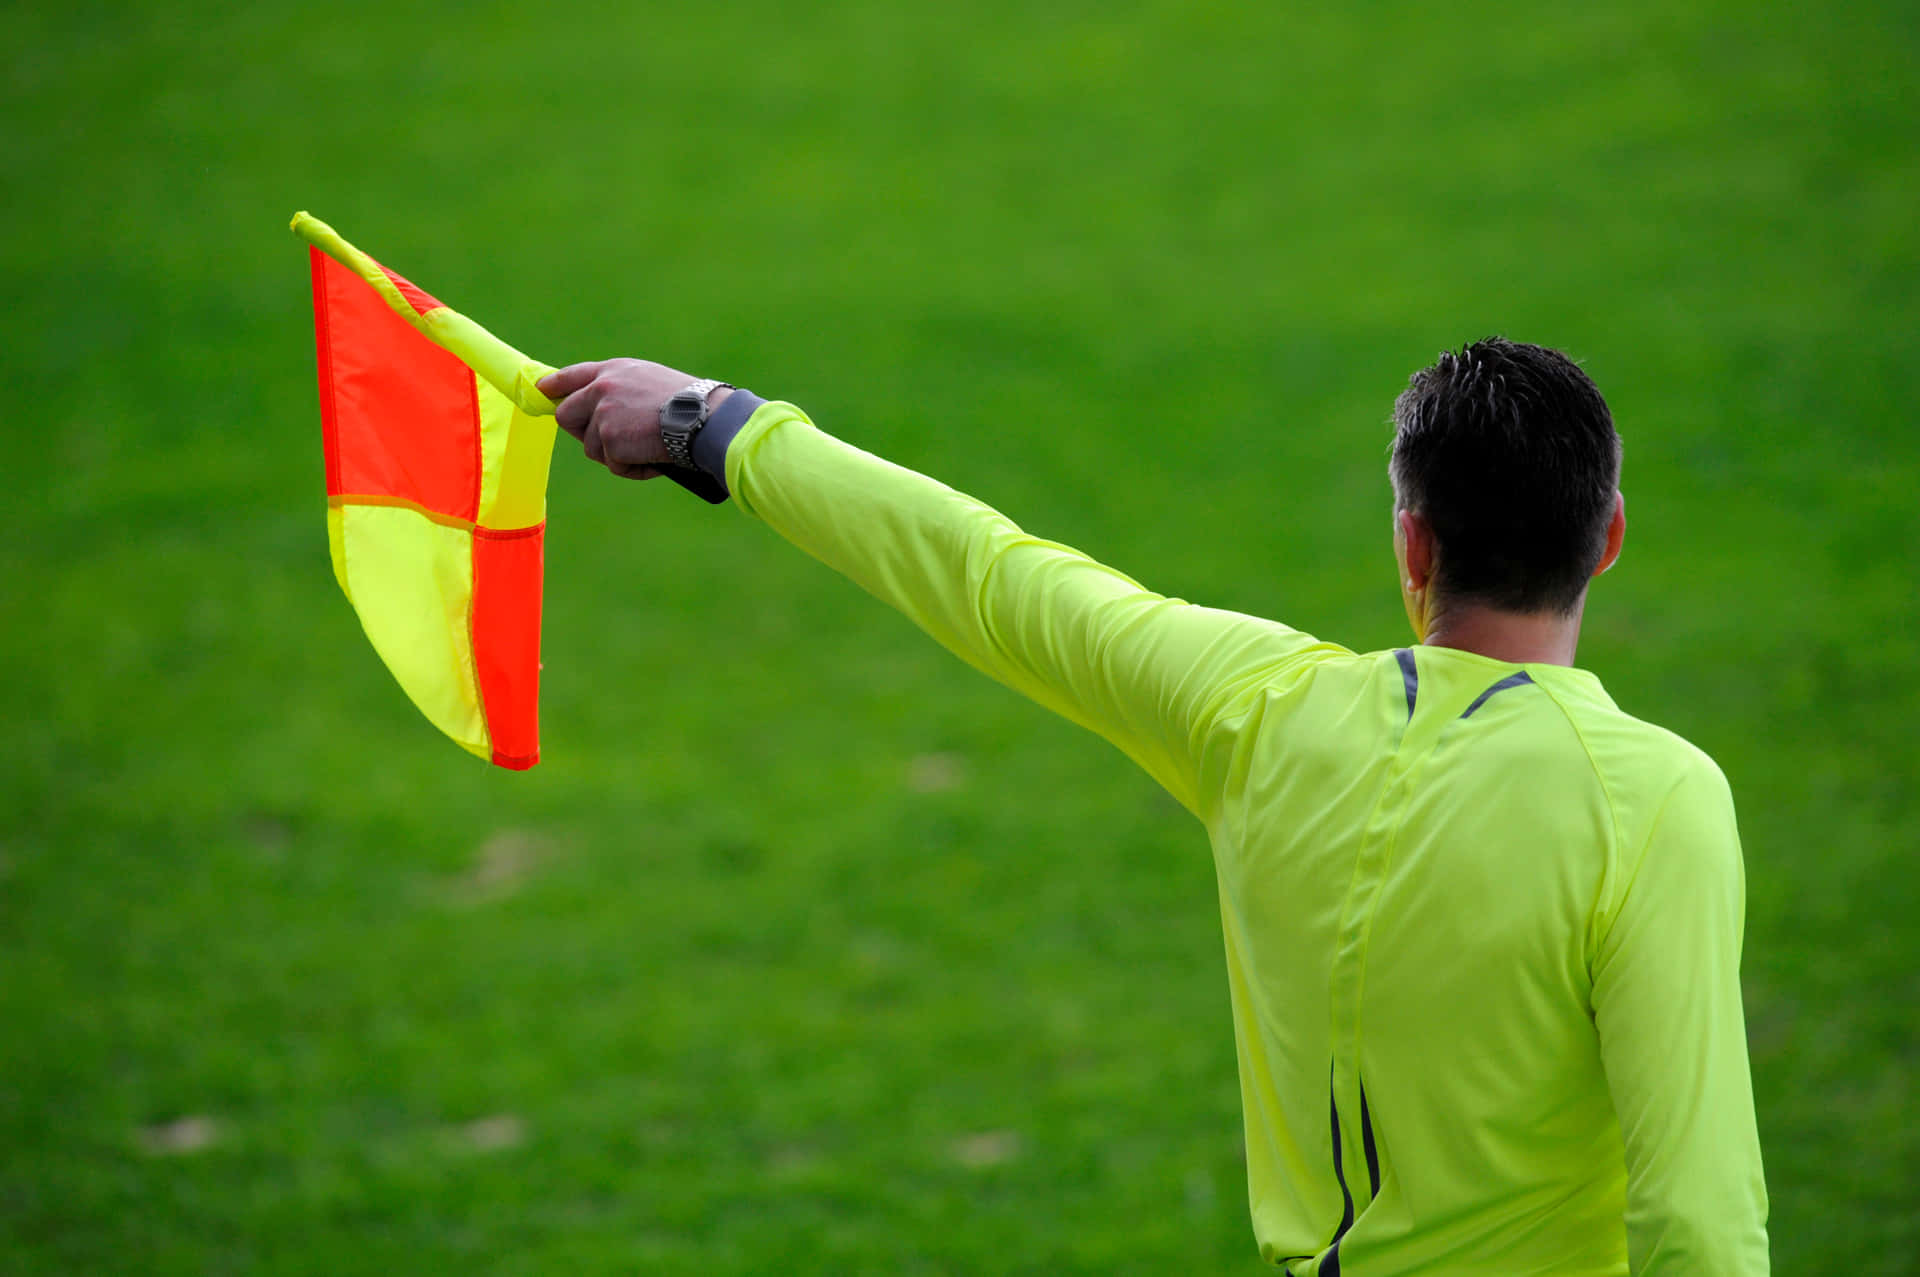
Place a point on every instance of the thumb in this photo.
(558, 385)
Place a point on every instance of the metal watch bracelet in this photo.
(683, 416)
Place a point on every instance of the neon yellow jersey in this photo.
(1483, 929)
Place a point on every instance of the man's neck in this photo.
(1521, 638)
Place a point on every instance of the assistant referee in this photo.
(1483, 928)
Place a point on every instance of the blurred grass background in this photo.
(805, 949)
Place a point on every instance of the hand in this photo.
(613, 408)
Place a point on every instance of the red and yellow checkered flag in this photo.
(437, 444)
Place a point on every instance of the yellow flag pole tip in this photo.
(316, 232)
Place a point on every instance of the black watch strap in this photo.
(699, 483)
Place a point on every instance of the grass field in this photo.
(821, 955)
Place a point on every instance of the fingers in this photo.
(575, 411)
(595, 447)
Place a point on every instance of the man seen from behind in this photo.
(1483, 928)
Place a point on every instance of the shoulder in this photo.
(1640, 763)
(1669, 803)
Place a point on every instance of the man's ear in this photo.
(1616, 533)
(1416, 535)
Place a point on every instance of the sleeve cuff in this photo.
(710, 445)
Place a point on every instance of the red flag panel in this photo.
(506, 639)
(400, 415)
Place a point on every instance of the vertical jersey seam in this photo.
(1609, 888)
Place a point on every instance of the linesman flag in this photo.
(437, 445)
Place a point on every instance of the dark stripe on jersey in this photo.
(1366, 1141)
(1330, 1266)
(1410, 675)
(1511, 680)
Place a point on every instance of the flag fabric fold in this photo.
(437, 444)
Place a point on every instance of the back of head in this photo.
(1509, 453)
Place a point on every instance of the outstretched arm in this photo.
(1155, 676)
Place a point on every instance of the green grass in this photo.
(825, 956)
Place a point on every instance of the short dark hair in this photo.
(1510, 454)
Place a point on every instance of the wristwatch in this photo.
(683, 416)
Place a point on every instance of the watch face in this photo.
(682, 410)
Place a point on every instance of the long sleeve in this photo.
(1152, 675)
(1666, 1000)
